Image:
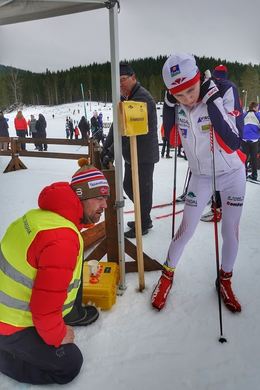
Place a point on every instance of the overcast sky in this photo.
(225, 29)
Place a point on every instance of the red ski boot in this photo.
(162, 288)
(226, 292)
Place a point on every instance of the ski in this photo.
(157, 206)
(168, 215)
(253, 181)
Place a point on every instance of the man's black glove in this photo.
(106, 157)
(209, 91)
(106, 162)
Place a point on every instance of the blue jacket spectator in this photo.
(250, 137)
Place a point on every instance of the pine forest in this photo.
(19, 87)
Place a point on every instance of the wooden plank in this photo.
(138, 227)
(149, 264)
(65, 156)
(93, 235)
(98, 252)
(53, 141)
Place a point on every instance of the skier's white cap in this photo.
(179, 72)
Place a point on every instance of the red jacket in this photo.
(172, 136)
(20, 124)
(54, 254)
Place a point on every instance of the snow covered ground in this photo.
(131, 346)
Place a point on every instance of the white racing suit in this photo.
(224, 114)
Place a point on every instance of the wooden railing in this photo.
(15, 152)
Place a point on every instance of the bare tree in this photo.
(15, 85)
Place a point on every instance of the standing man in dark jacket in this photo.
(41, 131)
(84, 127)
(147, 148)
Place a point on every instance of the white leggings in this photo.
(232, 191)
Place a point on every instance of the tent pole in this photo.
(83, 97)
(119, 204)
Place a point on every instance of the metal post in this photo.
(83, 97)
(89, 91)
(245, 98)
(114, 54)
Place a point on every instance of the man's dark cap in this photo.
(126, 70)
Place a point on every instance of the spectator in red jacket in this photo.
(166, 144)
(20, 125)
(41, 294)
(76, 131)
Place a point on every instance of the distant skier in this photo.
(67, 128)
(71, 128)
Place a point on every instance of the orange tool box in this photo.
(101, 288)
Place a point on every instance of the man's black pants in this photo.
(146, 189)
(26, 358)
(250, 149)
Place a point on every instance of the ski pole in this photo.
(186, 181)
(221, 338)
(174, 170)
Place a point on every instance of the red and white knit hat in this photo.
(180, 72)
(220, 72)
(89, 182)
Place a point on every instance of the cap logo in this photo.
(103, 190)
(179, 81)
(79, 191)
(175, 70)
(97, 183)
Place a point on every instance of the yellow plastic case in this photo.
(101, 289)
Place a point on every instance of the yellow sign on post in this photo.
(134, 122)
(134, 118)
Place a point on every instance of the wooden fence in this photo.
(15, 152)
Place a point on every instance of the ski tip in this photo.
(222, 340)
(252, 181)
(156, 308)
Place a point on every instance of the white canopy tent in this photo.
(15, 11)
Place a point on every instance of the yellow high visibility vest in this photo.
(17, 275)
